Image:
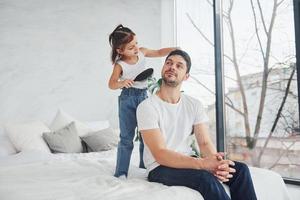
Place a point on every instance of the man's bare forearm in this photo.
(174, 159)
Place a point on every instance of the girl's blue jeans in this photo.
(128, 102)
(241, 186)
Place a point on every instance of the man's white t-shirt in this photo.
(175, 122)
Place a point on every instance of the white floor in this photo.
(294, 191)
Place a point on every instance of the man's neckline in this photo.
(157, 94)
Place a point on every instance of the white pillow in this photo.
(28, 136)
(6, 147)
(62, 119)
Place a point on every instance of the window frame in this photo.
(297, 40)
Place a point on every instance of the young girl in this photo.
(129, 60)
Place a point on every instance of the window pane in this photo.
(194, 30)
(261, 87)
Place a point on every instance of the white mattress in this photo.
(39, 176)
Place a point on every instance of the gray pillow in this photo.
(102, 140)
(65, 140)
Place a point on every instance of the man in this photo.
(165, 120)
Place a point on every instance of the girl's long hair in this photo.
(118, 39)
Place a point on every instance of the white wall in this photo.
(55, 54)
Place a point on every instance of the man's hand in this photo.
(224, 171)
(220, 156)
(212, 162)
(219, 167)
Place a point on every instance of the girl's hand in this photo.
(127, 83)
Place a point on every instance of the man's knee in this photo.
(207, 180)
(210, 187)
(242, 169)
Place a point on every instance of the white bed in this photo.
(35, 176)
(39, 175)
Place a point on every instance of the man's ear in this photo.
(187, 75)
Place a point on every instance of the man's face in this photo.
(174, 71)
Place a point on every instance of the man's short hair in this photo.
(184, 55)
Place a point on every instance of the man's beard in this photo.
(170, 83)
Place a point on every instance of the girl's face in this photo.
(130, 49)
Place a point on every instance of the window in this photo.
(260, 78)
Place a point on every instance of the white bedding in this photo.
(38, 176)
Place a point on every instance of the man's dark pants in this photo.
(241, 186)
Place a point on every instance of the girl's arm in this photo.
(114, 82)
(157, 53)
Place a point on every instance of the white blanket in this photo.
(37, 176)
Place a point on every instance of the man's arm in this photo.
(166, 157)
(204, 141)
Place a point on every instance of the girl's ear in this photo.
(119, 51)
